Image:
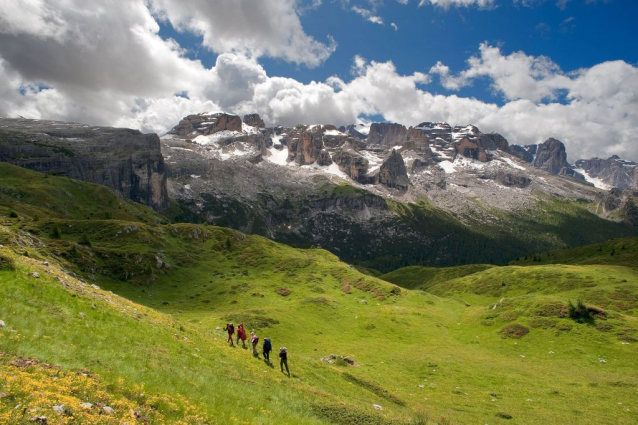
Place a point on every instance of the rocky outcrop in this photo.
(324, 158)
(526, 153)
(492, 142)
(393, 173)
(513, 179)
(418, 141)
(254, 120)
(551, 157)
(614, 172)
(125, 160)
(387, 134)
(470, 149)
(304, 145)
(353, 164)
(206, 123)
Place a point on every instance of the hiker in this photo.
(283, 356)
(254, 339)
(267, 348)
(241, 334)
(230, 328)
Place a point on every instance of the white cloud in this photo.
(458, 3)
(516, 76)
(108, 66)
(252, 27)
(393, 25)
(599, 115)
(368, 15)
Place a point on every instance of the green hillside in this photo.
(418, 277)
(127, 313)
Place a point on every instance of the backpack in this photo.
(267, 346)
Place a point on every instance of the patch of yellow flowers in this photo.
(30, 391)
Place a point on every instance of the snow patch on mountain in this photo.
(216, 137)
(278, 156)
(512, 163)
(593, 180)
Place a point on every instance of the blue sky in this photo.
(579, 35)
(527, 69)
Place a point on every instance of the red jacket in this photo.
(241, 333)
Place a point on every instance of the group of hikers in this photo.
(254, 339)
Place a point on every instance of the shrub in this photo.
(503, 415)
(579, 312)
(84, 240)
(6, 263)
(514, 330)
(56, 234)
(13, 214)
(283, 292)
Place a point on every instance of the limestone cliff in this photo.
(125, 160)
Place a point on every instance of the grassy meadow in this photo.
(125, 311)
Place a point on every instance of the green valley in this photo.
(107, 303)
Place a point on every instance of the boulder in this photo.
(513, 179)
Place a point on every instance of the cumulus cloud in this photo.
(599, 114)
(252, 27)
(515, 76)
(108, 66)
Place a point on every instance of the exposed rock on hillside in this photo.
(125, 160)
(354, 165)
(387, 134)
(254, 120)
(611, 172)
(470, 149)
(393, 172)
(551, 157)
(205, 124)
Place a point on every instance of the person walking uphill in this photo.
(283, 360)
(267, 348)
(230, 328)
(254, 339)
(241, 334)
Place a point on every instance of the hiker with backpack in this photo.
(283, 360)
(266, 349)
(254, 339)
(241, 334)
(230, 328)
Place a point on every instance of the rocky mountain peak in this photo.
(254, 120)
(206, 123)
(387, 134)
(551, 157)
(609, 173)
